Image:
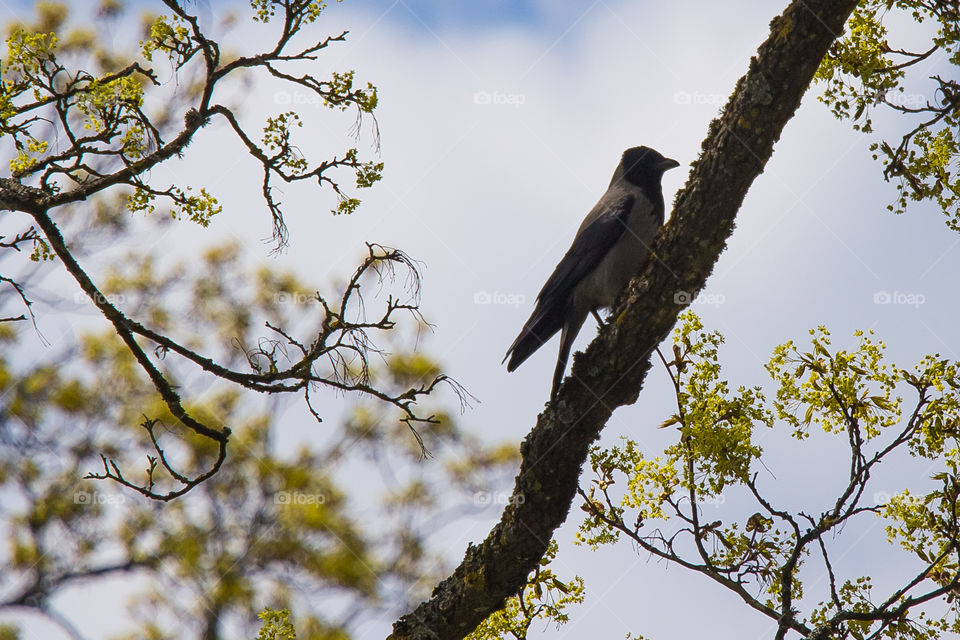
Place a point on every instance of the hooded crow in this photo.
(612, 243)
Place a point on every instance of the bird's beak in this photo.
(668, 163)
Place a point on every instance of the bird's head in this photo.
(645, 166)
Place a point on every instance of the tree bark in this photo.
(611, 371)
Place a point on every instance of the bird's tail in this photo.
(566, 341)
(542, 325)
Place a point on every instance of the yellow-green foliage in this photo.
(199, 208)
(27, 53)
(167, 34)
(866, 70)
(341, 92)
(104, 103)
(368, 173)
(41, 251)
(852, 395)
(26, 158)
(715, 448)
(545, 597)
(266, 9)
(831, 388)
(276, 138)
(276, 625)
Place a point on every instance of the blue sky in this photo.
(477, 15)
(434, 14)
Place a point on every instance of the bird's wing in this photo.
(609, 220)
(589, 247)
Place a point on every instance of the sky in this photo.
(501, 123)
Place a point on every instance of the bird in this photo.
(610, 246)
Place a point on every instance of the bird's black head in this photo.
(643, 166)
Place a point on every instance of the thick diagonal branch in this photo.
(611, 372)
